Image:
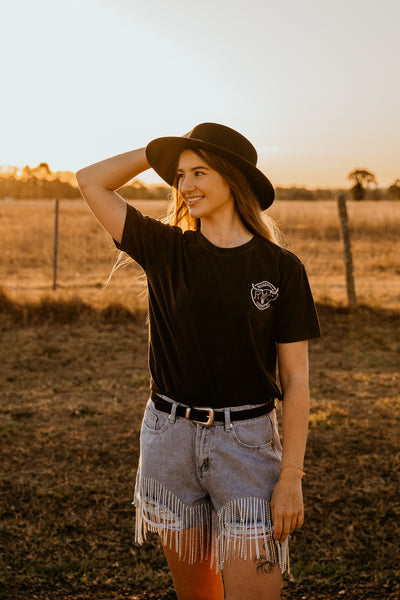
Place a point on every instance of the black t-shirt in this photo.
(216, 314)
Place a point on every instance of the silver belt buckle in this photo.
(209, 411)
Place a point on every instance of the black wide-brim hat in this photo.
(163, 155)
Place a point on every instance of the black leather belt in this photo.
(208, 416)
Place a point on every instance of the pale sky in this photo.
(313, 84)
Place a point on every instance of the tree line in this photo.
(41, 183)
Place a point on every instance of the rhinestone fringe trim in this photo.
(241, 529)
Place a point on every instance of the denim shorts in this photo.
(195, 481)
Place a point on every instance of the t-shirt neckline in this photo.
(230, 250)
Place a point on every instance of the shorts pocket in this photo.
(154, 420)
(254, 433)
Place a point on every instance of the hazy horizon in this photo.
(66, 175)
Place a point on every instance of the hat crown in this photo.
(226, 138)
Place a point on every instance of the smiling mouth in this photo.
(194, 200)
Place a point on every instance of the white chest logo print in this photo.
(263, 294)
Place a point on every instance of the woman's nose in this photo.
(186, 184)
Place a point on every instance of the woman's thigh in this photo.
(198, 580)
(254, 579)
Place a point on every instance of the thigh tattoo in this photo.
(263, 565)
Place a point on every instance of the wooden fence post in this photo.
(345, 234)
(55, 255)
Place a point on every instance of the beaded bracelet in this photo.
(294, 467)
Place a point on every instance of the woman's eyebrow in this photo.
(194, 169)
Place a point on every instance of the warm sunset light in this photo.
(212, 369)
(312, 84)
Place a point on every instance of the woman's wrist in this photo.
(293, 471)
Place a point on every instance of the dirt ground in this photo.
(74, 383)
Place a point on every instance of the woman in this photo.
(226, 303)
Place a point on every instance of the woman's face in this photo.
(204, 190)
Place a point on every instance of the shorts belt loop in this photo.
(172, 416)
(227, 415)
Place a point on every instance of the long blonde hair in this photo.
(247, 205)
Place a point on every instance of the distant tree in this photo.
(362, 179)
(324, 194)
(42, 171)
(394, 190)
(375, 194)
(26, 174)
(8, 178)
(294, 193)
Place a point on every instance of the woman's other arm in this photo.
(99, 181)
(287, 499)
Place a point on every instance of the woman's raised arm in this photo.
(99, 181)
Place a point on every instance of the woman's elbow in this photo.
(81, 177)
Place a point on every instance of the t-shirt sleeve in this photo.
(147, 240)
(296, 315)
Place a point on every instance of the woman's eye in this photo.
(199, 173)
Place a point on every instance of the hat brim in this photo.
(163, 155)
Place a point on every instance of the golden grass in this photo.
(86, 253)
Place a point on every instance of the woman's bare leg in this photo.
(241, 579)
(253, 579)
(198, 581)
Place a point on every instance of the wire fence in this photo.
(351, 251)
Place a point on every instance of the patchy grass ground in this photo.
(74, 382)
(73, 386)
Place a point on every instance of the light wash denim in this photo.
(193, 478)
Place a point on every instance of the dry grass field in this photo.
(86, 255)
(73, 380)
